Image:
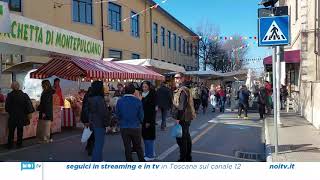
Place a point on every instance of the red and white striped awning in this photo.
(73, 68)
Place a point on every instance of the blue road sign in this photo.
(274, 31)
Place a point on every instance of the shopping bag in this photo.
(86, 135)
(176, 131)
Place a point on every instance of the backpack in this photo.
(195, 93)
(189, 113)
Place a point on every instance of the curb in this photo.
(268, 145)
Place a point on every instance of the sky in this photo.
(229, 16)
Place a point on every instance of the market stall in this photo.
(82, 69)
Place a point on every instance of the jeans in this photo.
(132, 136)
(244, 107)
(222, 104)
(11, 135)
(149, 148)
(262, 110)
(164, 113)
(99, 134)
(185, 143)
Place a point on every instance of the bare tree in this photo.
(217, 54)
(206, 30)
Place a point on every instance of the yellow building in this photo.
(153, 34)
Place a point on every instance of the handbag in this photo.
(86, 134)
(176, 131)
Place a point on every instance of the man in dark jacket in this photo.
(18, 105)
(262, 101)
(243, 96)
(164, 102)
(130, 112)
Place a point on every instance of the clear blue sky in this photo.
(230, 16)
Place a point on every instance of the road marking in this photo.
(174, 147)
(37, 145)
(222, 155)
(203, 133)
(203, 126)
(193, 133)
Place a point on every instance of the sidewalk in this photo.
(299, 141)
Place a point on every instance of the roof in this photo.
(166, 13)
(73, 68)
(293, 56)
(156, 64)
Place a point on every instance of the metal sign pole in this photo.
(275, 93)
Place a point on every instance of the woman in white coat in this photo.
(213, 98)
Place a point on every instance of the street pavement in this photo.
(216, 138)
(298, 140)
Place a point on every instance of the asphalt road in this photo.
(216, 138)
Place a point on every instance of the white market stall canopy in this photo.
(155, 64)
(215, 74)
(33, 38)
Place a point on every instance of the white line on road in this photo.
(193, 133)
(203, 126)
(174, 147)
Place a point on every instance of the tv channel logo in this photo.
(28, 166)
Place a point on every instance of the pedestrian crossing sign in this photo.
(274, 31)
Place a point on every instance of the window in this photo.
(175, 42)
(114, 20)
(179, 43)
(155, 33)
(191, 49)
(195, 51)
(163, 36)
(297, 10)
(169, 39)
(135, 24)
(82, 11)
(115, 54)
(184, 46)
(14, 5)
(188, 48)
(135, 56)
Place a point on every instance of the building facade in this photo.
(306, 38)
(153, 34)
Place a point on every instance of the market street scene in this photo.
(159, 81)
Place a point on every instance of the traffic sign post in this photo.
(275, 31)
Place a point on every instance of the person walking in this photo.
(196, 95)
(222, 99)
(149, 120)
(262, 100)
(268, 88)
(45, 112)
(129, 110)
(243, 96)
(18, 105)
(213, 98)
(164, 103)
(204, 98)
(99, 118)
(183, 113)
(85, 120)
